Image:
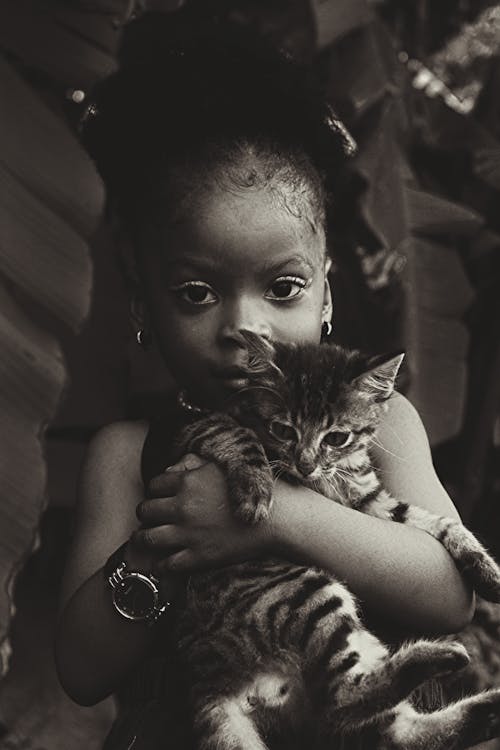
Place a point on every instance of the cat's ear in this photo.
(261, 355)
(378, 380)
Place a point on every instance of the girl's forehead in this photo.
(244, 227)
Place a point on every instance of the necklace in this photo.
(187, 406)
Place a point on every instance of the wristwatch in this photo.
(136, 595)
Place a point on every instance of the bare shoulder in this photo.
(402, 453)
(118, 446)
(401, 429)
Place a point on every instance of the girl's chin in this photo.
(222, 391)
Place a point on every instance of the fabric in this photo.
(152, 703)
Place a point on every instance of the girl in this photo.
(219, 160)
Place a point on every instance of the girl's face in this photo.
(240, 261)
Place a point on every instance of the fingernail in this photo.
(168, 468)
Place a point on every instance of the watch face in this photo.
(135, 597)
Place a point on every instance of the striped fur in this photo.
(268, 645)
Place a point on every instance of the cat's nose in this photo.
(306, 464)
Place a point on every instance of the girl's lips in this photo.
(234, 384)
(231, 378)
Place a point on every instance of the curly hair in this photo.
(192, 107)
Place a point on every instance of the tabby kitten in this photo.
(269, 644)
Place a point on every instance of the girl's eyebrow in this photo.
(210, 264)
(276, 267)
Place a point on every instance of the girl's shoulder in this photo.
(401, 435)
(119, 441)
(116, 449)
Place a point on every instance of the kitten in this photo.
(270, 644)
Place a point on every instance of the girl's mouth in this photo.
(231, 378)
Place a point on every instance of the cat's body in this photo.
(269, 643)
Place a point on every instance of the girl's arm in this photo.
(95, 647)
(402, 574)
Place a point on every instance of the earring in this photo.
(326, 329)
(142, 338)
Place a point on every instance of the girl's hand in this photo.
(188, 522)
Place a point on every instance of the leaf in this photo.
(34, 138)
(336, 18)
(31, 378)
(437, 295)
(486, 164)
(64, 54)
(50, 202)
(384, 203)
(357, 73)
(437, 217)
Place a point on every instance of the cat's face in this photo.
(315, 407)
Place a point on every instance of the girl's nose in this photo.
(244, 316)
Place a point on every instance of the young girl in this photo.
(219, 161)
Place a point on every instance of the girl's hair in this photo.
(189, 106)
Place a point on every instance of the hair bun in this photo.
(183, 83)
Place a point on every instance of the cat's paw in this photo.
(251, 494)
(422, 660)
(485, 577)
(476, 564)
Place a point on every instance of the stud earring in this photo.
(326, 329)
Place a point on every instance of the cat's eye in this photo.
(195, 293)
(282, 430)
(338, 439)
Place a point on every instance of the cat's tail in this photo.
(456, 727)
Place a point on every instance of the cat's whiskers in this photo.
(331, 480)
(386, 450)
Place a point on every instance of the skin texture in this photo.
(243, 261)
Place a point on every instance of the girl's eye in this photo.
(195, 292)
(338, 439)
(286, 287)
(282, 430)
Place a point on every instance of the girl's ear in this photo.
(379, 379)
(327, 310)
(126, 258)
(138, 312)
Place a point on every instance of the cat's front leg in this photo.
(239, 453)
(474, 561)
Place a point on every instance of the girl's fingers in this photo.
(169, 482)
(157, 511)
(187, 463)
(160, 538)
(183, 560)
(165, 485)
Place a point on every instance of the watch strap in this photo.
(116, 567)
(116, 559)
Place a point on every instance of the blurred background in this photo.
(418, 85)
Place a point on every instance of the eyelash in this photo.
(298, 281)
(179, 291)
